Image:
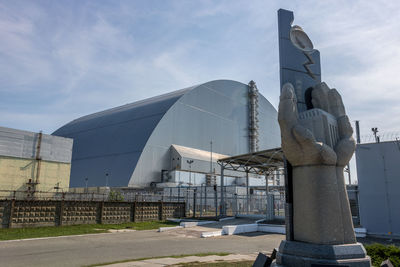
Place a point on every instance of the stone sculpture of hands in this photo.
(299, 144)
(321, 210)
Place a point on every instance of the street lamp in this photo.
(375, 131)
(190, 170)
(86, 184)
(106, 179)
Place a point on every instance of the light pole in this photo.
(201, 200)
(179, 191)
(86, 184)
(106, 179)
(375, 131)
(190, 170)
(211, 168)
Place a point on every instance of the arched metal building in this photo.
(129, 145)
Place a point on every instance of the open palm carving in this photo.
(298, 142)
(321, 210)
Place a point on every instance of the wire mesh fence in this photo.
(201, 201)
(381, 137)
(205, 201)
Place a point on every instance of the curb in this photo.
(192, 224)
(267, 228)
(163, 229)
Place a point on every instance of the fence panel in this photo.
(35, 213)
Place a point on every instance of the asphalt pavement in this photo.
(109, 247)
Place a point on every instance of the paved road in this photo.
(100, 248)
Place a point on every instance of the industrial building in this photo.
(172, 138)
(33, 162)
(378, 172)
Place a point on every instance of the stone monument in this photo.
(317, 143)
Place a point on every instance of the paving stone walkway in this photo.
(174, 261)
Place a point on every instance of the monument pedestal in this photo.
(292, 253)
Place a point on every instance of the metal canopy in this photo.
(257, 162)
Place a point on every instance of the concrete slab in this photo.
(238, 229)
(192, 224)
(212, 234)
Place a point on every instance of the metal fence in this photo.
(201, 201)
(205, 201)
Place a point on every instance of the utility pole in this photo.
(211, 158)
(190, 170)
(86, 184)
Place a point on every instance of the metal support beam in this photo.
(247, 193)
(222, 207)
(205, 197)
(194, 202)
(201, 200)
(216, 200)
(266, 197)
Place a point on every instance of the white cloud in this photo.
(90, 57)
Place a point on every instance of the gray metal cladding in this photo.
(23, 144)
(110, 142)
(216, 111)
(378, 174)
(131, 143)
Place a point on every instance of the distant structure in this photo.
(33, 162)
(143, 143)
(378, 172)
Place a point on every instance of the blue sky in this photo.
(63, 59)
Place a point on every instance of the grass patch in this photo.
(173, 256)
(218, 264)
(23, 233)
(379, 253)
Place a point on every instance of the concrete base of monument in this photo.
(292, 253)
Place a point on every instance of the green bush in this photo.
(379, 253)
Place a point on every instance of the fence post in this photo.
(160, 211)
(216, 201)
(100, 212)
(205, 198)
(236, 203)
(194, 202)
(201, 200)
(133, 211)
(11, 213)
(59, 216)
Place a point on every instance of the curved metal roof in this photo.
(128, 145)
(103, 141)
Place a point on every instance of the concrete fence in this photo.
(36, 213)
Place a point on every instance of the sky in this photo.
(60, 60)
